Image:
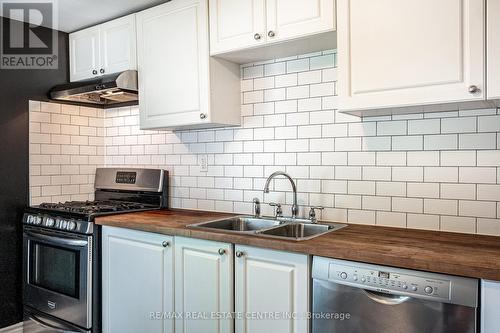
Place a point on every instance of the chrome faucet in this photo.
(295, 207)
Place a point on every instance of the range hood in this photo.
(106, 91)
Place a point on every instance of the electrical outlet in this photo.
(203, 163)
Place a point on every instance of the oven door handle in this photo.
(47, 325)
(59, 240)
(385, 298)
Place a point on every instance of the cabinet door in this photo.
(203, 284)
(288, 19)
(490, 306)
(118, 45)
(268, 281)
(395, 53)
(84, 54)
(493, 49)
(236, 24)
(138, 280)
(173, 56)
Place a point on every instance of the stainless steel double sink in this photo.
(291, 229)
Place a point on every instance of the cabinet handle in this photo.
(165, 244)
(256, 36)
(102, 71)
(203, 116)
(474, 89)
(94, 72)
(239, 254)
(271, 33)
(222, 252)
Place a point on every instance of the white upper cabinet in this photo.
(493, 72)
(395, 53)
(104, 49)
(203, 284)
(287, 19)
(238, 28)
(118, 45)
(137, 279)
(180, 86)
(84, 55)
(236, 24)
(268, 281)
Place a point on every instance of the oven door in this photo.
(58, 274)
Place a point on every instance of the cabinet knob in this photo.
(473, 89)
(239, 254)
(271, 33)
(165, 244)
(222, 252)
(94, 72)
(102, 70)
(203, 116)
(256, 36)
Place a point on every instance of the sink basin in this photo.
(238, 224)
(300, 231)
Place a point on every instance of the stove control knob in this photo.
(355, 277)
(38, 220)
(414, 288)
(71, 225)
(363, 280)
(63, 224)
(428, 290)
(343, 275)
(29, 218)
(49, 222)
(405, 286)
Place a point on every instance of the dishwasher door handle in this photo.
(386, 299)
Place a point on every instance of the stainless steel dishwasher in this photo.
(351, 297)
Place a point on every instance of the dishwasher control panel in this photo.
(397, 281)
(388, 280)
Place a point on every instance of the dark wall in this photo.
(16, 88)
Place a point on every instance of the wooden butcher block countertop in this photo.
(442, 252)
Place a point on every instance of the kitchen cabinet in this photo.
(138, 279)
(104, 49)
(239, 25)
(490, 306)
(180, 85)
(236, 24)
(268, 281)
(493, 42)
(203, 284)
(409, 56)
(84, 58)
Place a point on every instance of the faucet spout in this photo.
(295, 207)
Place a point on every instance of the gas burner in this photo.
(94, 207)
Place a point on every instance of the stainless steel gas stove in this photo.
(61, 265)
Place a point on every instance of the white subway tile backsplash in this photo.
(458, 224)
(441, 142)
(458, 125)
(436, 171)
(477, 175)
(478, 141)
(391, 128)
(391, 219)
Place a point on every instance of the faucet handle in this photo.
(279, 211)
(312, 212)
(256, 207)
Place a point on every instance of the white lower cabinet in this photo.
(490, 306)
(146, 276)
(138, 280)
(203, 285)
(268, 282)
